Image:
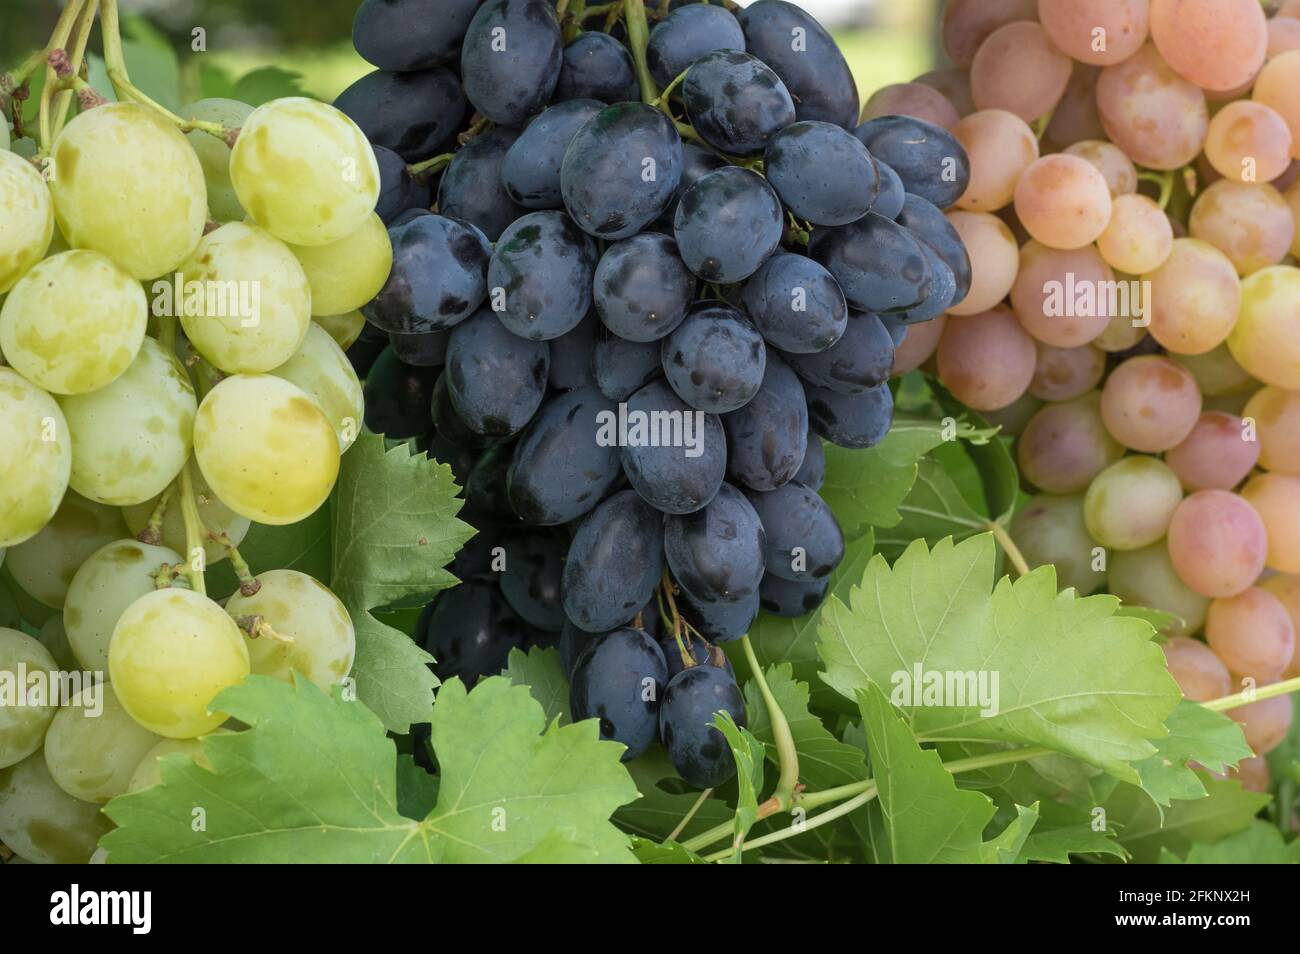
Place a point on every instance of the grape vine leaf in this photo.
(667, 853)
(748, 753)
(394, 531)
(1197, 735)
(1055, 670)
(1056, 845)
(665, 800)
(262, 85)
(542, 672)
(315, 779)
(302, 546)
(1145, 830)
(1260, 844)
(933, 509)
(1008, 847)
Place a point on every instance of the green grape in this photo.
(54, 637)
(216, 516)
(26, 217)
(346, 274)
(165, 681)
(324, 372)
(1216, 372)
(1146, 577)
(73, 323)
(261, 302)
(214, 155)
(10, 616)
(1130, 503)
(25, 704)
(266, 448)
(304, 171)
(4, 134)
(149, 772)
(94, 746)
(44, 565)
(42, 822)
(1266, 338)
(1050, 529)
(344, 329)
(301, 608)
(113, 578)
(35, 458)
(127, 184)
(131, 438)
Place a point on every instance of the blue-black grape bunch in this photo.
(628, 321)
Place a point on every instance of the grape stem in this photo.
(686, 819)
(1009, 547)
(152, 532)
(194, 530)
(1163, 179)
(662, 102)
(570, 17)
(58, 41)
(787, 755)
(675, 620)
(428, 167)
(258, 628)
(479, 126)
(1247, 696)
(638, 36)
(64, 99)
(248, 583)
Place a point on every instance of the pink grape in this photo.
(1215, 455)
(1150, 403)
(1217, 543)
(1252, 633)
(1198, 671)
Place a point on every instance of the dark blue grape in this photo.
(796, 304)
(473, 561)
(620, 367)
(571, 355)
(619, 679)
(880, 265)
(719, 622)
(716, 553)
(531, 170)
(929, 160)
(804, 541)
(736, 102)
(597, 66)
(438, 277)
(642, 289)
(696, 161)
(821, 173)
(673, 472)
(696, 746)
(812, 472)
(511, 59)
(860, 360)
(397, 397)
(791, 599)
(469, 630)
(715, 358)
(727, 224)
(890, 200)
(896, 326)
(461, 460)
(621, 170)
(413, 114)
(943, 289)
(530, 583)
(411, 34)
(365, 351)
(572, 643)
(851, 420)
(496, 380)
(687, 34)
(560, 469)
(471, 187)
(932, 227)
(422, 349)
(544, 265)
(614, 563)
(448, 424)
(767, 438)
(703, 652)
(399, 191)
(485, 485)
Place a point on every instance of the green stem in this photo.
(430, 166)
(1163, 179)
(662, 102)
(58, 41)
(686, 819)
(787, 755)
(825, 818)
(152, 532)
(1009, 546)
(194, 530)
(638, 36)
(78, 57)
(127, 90)
(687, 131)
(1285, 687)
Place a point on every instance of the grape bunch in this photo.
(645, 261)
(1134, 312)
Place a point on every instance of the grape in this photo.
(1063, 201)
(304, 171)
(397, 397)
(27, 224)
(1076, 118)
(685, 35)
(1276, 414)
(1265, 723)
(1276, 498)
(1062, 374)
(814, 71)
(812, 472)
(266, 448)
(508, 83)
(1018, 69)
(1216, 44)
(216, 516)
(496, 380)
(302, 609)
(1275, 87)
(767, 439)
(1073, 26)
(54, 638)
(1252, 633)
(618, 679)
(413, 113)
(920, 344)
(670, 477)
(1013, 418)
(470, 630)
(696, 747)
(35, 458)
(792, 599)
(485, 489)
(1065, 446)
(93, 745)
(399, 191)
(43, 823)
(1130, 503)
(716, 553)
(987, 360)
(1150, 112)
(164, 684)
(1248, 142)
(619, 367)
(1146, 577)
(214, 153)
(968, 23)
(696, 162)
(1060, 296)
(597, 66)
(1150, 403)
(420, 349)
(702, 653)
(880, 265)
(26, 716)
(1116, 168)
(531, 168)
(822, 174)
(530, 581)
(917, 150)
(1138, 238)
(101, 312)
(720, 622)
(542, 266)
(892, 194)
(471, 189)
(912, 99)
(322, 370)
(1217, 373)
(928, 224)
(614, 563)
(562, 467)
(727, 223)
(1194, 299)
(347, 274)
(43, 566)
(851, 420)
(438, 276)
(1266, 338)
(1287, 590)
(715, 358)
(1001, 147)
(448, 425)
(1250, 223)
(1051, 530)
(994, 260)
(411, 34)
(148, 772)
(860, 360)
(1253, 772)
(1200, 674)
(153, 216)
(642, 289)
(803, 538)
(1217, 543)
(1216, 454)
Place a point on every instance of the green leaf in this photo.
(1159, 619)
(748, 753)
(1070, 674)
(215, 82)
(1284, 761)
(151, 61)
(669, 853)
(1144, 830)
(1260, 844)
(542, 672)
(665, 800)
(417, 790)
(1196, 734)
(1058, 844)
(935, 508)
(394, 529)
(1007, 847)
(268, 83)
